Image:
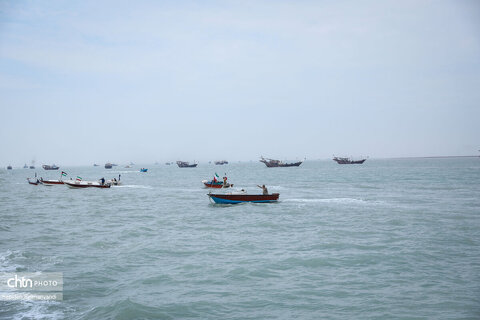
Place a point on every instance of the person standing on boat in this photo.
(225, 182)
(102, 181)
(265, 190)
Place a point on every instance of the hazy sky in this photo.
(97, 81)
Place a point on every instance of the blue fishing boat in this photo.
(143, 170)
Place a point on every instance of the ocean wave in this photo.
(126, 309)
(6, 263)
(38, 310)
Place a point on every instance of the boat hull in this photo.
(51, 182)
(241, 198)
(85, 184)
(295, 164)
(348, 161)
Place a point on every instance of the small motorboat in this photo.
(50, 167)
(108, 165)
(346, 160)
(233, 198)
(50, 182)
(216, 184)
(25, 166)
(143, 170)
(9, 168)
(185, 164)
(35, 182)
(85, 184)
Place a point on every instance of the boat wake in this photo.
(331, 200)
(121, 171)
(277, 187)
(135, 186)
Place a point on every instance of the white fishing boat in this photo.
(85, 184)
(50, 182)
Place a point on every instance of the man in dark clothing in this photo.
(265, 190)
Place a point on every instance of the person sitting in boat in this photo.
(265, 190)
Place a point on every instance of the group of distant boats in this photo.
(32, 166)
(219, 198)
(270, 163)
(78, 183)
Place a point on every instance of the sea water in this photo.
(389, 239)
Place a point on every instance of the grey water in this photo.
(389, 239)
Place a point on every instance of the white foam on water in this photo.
(331, 200)
(39, 310)
(277, 187)
(133, 186)
(6, 264)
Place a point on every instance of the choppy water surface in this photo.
(389, 239)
